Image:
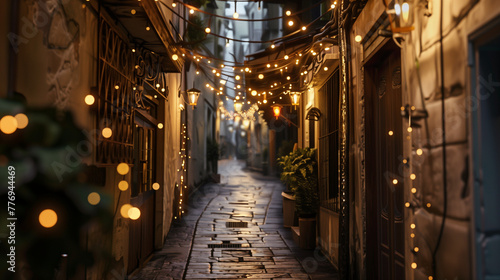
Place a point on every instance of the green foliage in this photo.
(47, 158)
(212, 150)
(300, 173)
(195, 33)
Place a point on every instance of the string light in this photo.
(93, 198)
(107, 132)
(47, 218)
(8, 124)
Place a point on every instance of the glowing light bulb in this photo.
(391, 132)
(47, 218)
(304, 28)
(285, 57)
(236, 15)
(290, 23)
(22, 120)
(273, 46)
(358, 38)
(156, 186)
(395, 181)
(191, 11)
(160, 125)
(174, 4)
(123, 185)
(261, 76)
(107, 132)
(93, 198)
(288, 13)
(124, 210)
(254, 92)
(413, 176)
(207, 30)
(414, 265)
(122, 168)
(413, 226)
(325, 69)
(419, 152)
(175, 57)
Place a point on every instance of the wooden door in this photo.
(385, 201)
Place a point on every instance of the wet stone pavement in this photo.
(234, 230)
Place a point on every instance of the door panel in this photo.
(384, 155)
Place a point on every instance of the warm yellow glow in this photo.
(94, 198)
(285, 57)
(8, 124)
(264, 101)
(407, 204)
(295, 96)
(122, 168)
(22, 120)
(325, 68)
(430, 278)
(304, 28)
(268, 65)
(412, 235)
(410, 129)
(47, 218)
(175, 57)
(236, 15)
(428, 205)
(107, 132)
(117, 87)
(288, 13)
(391, 132)
(160, 125)
(395, 181)
(273, 46)
(174, 4)
(413, 190)
(358, 38)
(124, 210)
(191, 11)
(416, 249)
(133, 11)
(405, 9)
(290, 23)
(156, 186)
(89, 99)
(237, 106)
(208, 30)
(332, 6)
(413, 176)
(148, 28)
(254, 92)
(412, 226)
(261, 76)
(237, 77)
(419, 152)
(413, 265)
(276, 111)
(123, 185)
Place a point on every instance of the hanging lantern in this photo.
(400, 16)
(277, 110)
(193, 95)
(295, 97)
(237, 106)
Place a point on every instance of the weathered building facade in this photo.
(110, 65)
(404, 121)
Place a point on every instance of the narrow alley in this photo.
(234, 230)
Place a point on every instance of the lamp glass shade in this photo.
(193, 95)
(277, 111)
(403, 16)
(295, 97)
(237, 106)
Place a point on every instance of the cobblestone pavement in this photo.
(234, 231)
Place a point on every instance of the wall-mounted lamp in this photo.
(400, 15)
(277, 110)
(238, 106)
(295, 97)
(193, 95)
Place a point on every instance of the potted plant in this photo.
(300, 173)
